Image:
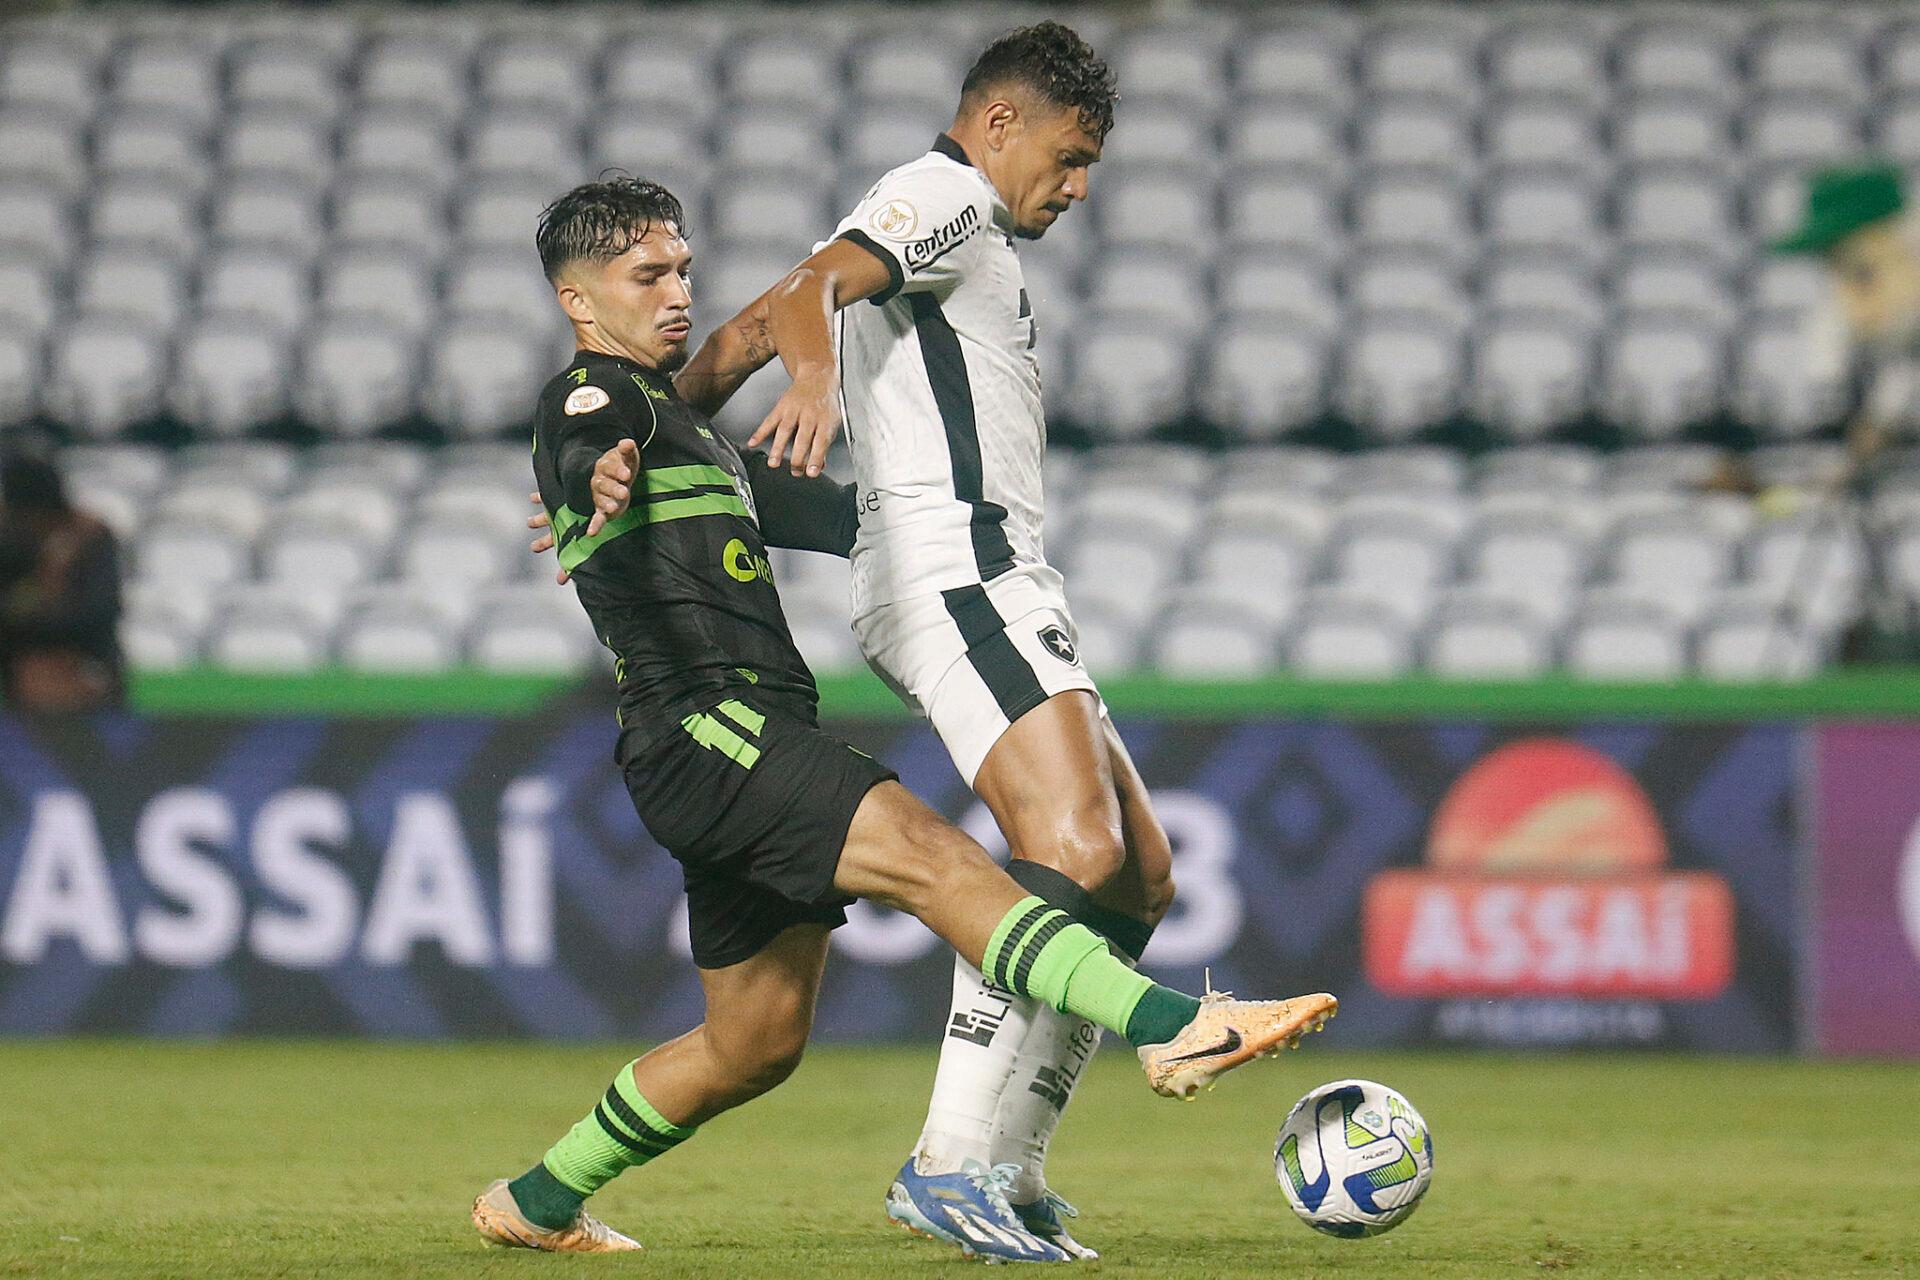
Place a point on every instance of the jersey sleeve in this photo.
(919, 224)
(590, 419)
(804, 513)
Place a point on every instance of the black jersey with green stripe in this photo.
(679, 587)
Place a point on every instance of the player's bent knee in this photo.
(1088, 849)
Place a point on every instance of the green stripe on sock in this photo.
(621, 1131)
(1023, 916)
(630, 1093)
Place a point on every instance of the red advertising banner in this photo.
(1666, 937)
(1867, 945)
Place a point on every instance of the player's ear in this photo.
(1001, 121)
(573, 300)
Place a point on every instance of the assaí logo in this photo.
(1546, 876)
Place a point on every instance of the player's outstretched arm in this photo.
(792, 320)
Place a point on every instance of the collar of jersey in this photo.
(654, 377)
(944, 145)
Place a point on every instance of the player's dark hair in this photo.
(1052, 60)
(599, 221)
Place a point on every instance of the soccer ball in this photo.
(1354, 1158)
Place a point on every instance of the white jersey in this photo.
(940, 387)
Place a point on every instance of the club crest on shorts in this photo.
(586, 400)
(1058, 644)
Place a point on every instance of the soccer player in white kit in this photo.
(912, 328)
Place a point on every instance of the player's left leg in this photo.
(1057, 1046)
(759, 1012)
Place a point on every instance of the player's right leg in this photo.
(901, 854)
(758, 1014)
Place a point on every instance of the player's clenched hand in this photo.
(806, 420)
(613, 484)
(539, 520)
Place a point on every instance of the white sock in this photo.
(985, 1031)
(1051, 1060)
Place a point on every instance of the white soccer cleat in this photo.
(500, 1222)
(1227, 1032)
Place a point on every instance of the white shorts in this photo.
(974, 659)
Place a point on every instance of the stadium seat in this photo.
(1129, 284)
(1754, 641)
(150, 142)
(1551, 55)
(1159, 133)
(408, 643)
(324, 550)
(1432, 57)
(268, 210)
(1129, 376)
(164, 75)
(1818, 56)
(277, 140)
(45, 70)
(1262, 378)
(1291, 58)
(401, 141)
(1166, 208)
(770, 206)
(1346, 639)
(1524, 552)
(106, 374)
(1624, 640)
(772, 136)
(1279, 206)
(1412, 129)
(1477, 638)
(260, 286)
(1409, 281)
(1529, 372)
(413, 71)
(791, 66)
(1777, 385)
(1212, 643)
(1804, 127)
(1420, 206)
(483, 374)
(229, 375)
(1543, 127)
(192, 551)
(291, 75)
(1659, 372)
(1177, 63)
(28, 302)
(40, 148)
(1675, 204)
(117, 279)
(388, 285)
(1672, 279)
(1676, 126)
(1297, 131)
(1544, 207)
(154, 642)
(1398, 373)
(543, 75)
(382, 212)
(148, 211)
(454, 552)
(881, 133)
(356, 376)
(906, 67)
(266, 639)
(1675, 55)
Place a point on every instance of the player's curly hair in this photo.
(601, 220)
(1052, 60)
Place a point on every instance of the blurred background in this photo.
(1481, 460)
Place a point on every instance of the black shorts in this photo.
(754, 804)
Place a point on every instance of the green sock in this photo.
(621, 1131)
(1039, 951)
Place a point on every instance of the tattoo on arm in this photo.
(755, 336)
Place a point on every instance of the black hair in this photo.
(601, 220)
(1053, 61)
(31, 484)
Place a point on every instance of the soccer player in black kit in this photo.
(664, 527)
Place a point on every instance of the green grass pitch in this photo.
(128, 1158)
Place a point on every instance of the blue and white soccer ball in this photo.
(1354, 1158)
